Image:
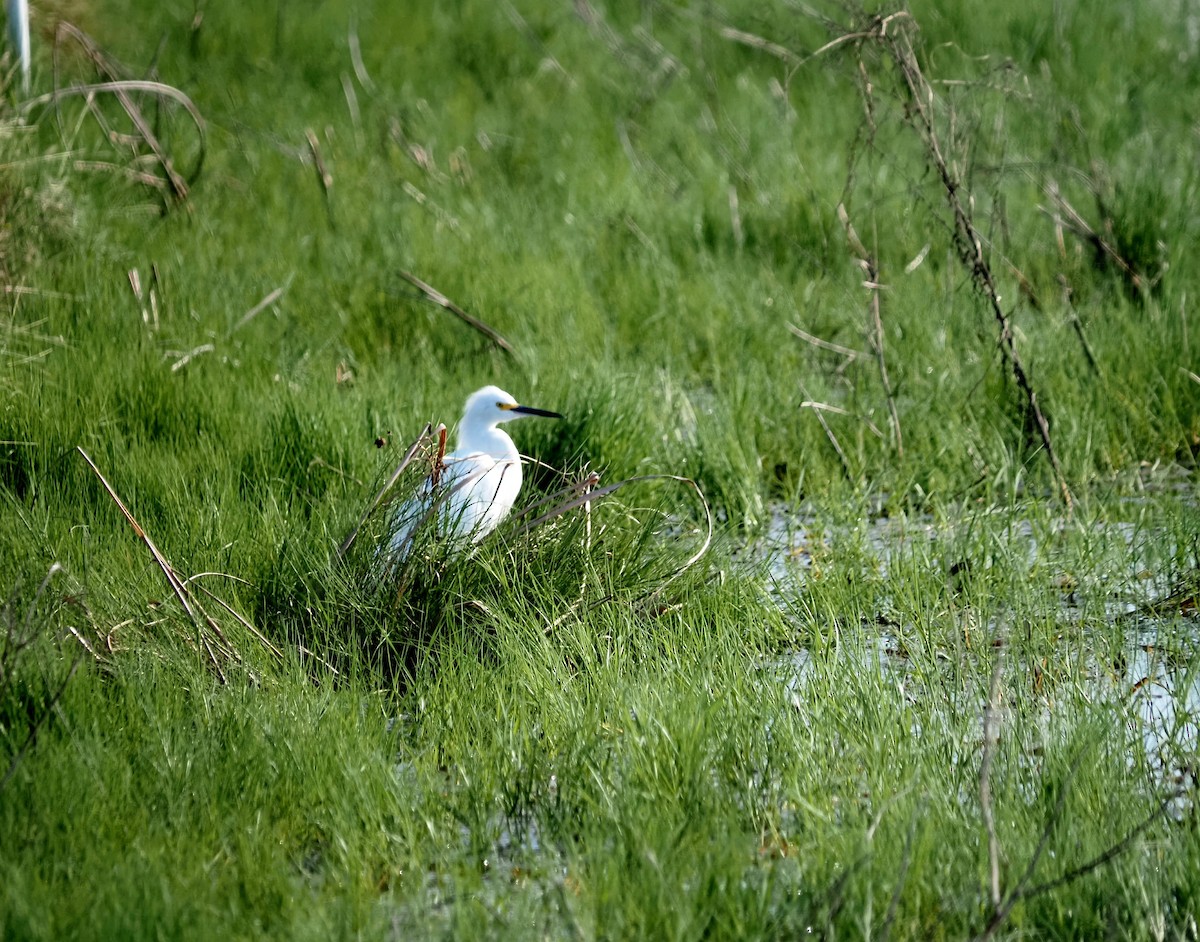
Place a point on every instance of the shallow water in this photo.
(1150, 676)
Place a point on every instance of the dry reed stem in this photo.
(991, 737)
(421, 439)
(324, 177)
(121, 89)
(590, 480)
(441, 300)
(1022, 891)
(245, 622)
(195, 611)
(173, 580)
(804, 335)
(257, 309)
(875, 335)
(817, 411)
(1066, 216)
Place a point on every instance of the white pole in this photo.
(18, 33)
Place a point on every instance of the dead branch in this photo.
(828, 433)
(829, 345)
(258, 308)
(968, 241)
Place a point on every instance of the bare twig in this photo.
(127, 85)
(757, 42)
(205, 624)
(1105, 856)
(967, 239)
(583, 486)
(245, 622)
(173, 580)
(829, 345)
(186, 357)
(442, 301)
(1023, 891)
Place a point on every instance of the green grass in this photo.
(570, 733)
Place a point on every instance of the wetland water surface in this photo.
(1109, 607)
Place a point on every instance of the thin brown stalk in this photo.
(200, 618)
(1023, 891)
(829, 345)
(758, 42)
(308, 653)
(324, 177)
(245, 622)
(582, 486)
(173, 580)
(1066, 216)
(432, 294)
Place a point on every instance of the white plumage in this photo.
(479, 481)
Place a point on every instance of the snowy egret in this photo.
(477, 483)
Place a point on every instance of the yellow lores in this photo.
(480, 479)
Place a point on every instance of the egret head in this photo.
(491, 405)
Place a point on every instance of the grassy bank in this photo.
(886, 290)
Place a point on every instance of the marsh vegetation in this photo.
(856, 597)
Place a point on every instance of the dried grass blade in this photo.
(177, 586)
(442, 301)
(404, 463)
(258, 308)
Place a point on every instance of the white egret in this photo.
(477, 483)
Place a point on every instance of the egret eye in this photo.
(506, 406)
